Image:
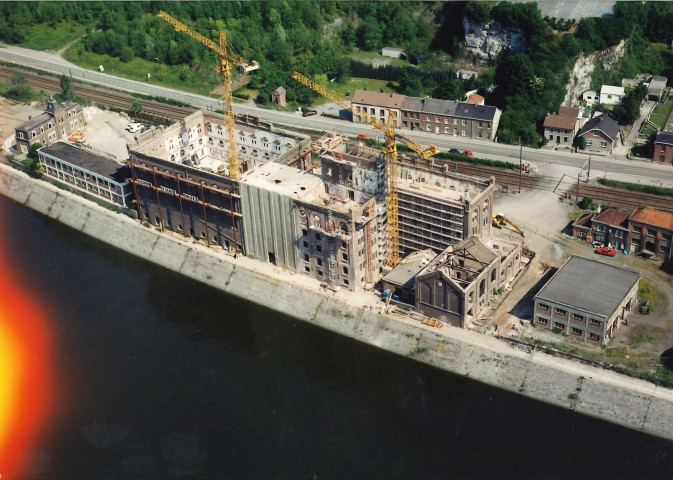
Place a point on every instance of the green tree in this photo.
(126, 54)
(66, 87)
(137, 107)
(19, 88)
(35, 165)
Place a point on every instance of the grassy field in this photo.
(661, 113)
(46, 37)
(648, 291)
(348, 88)
(201, 82)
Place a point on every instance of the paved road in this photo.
(615, 166)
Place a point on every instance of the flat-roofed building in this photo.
(587, 299)
(611, 95)
(96, 175)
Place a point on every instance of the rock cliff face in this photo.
(488, 40)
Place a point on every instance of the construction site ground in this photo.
(545, 221)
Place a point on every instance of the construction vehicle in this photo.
(500, 220)
(390, 153)
(225, 58)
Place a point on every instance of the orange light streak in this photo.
(26, 367)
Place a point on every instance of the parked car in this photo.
(606, 251)
(134, 127)
(455, 151)
(145, 128)
(362, 136)
(468, 153)
(308, 113)
(597, 244)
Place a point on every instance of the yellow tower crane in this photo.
(390, 153)
(225, 57)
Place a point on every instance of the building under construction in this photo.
(327, 222)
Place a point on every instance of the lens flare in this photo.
(26, 369)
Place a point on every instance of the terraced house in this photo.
(443, 117)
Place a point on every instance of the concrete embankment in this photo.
(599, 393)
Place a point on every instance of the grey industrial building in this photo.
(94, 174)
(455, 285)
(587, 299)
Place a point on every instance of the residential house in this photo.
(656, 89)
(376, 104)
(611, 95)
(560, 130)
(582, 226)
(650, 233)
(58, 122)
(611, 228)
(600, 134)
(587, 299)
(590, 97)
(663, 148)
(450, 118)
(393, 52)
(93, 174)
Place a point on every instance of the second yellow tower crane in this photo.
(390, 153)
(225, 57)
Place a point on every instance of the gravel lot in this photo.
(105, 131)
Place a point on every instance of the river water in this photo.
(162, 377)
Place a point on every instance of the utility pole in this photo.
(161, 77)
(577, 192)
(520, 165)
(589, 169)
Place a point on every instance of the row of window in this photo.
(575, 316)
(573, 330)
(427, 117)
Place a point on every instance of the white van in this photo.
(134, 127)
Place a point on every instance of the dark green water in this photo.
(167, 378)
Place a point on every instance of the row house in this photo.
(377, 104)
(663, 148)
(646, 231)
(447, 117)
(58, 122)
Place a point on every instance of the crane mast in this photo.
(390, 154)
(225, 71)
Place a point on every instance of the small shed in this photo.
(656, 89)
(279, 96)
(393, 52)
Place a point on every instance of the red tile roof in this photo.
(560, 121)
(613, 217)
(653, 217)
(475, 99)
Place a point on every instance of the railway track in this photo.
(509, 178)
(124, 101)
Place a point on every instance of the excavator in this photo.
(499, 221)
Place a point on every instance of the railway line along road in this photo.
(614, 167)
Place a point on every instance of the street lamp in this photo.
(161, 77)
